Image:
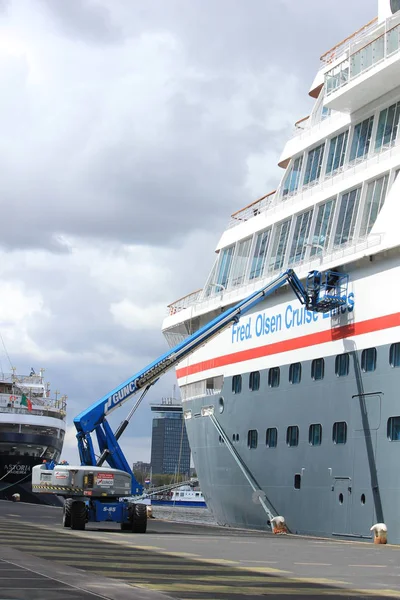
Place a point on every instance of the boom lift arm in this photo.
(323, 292)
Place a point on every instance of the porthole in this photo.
(221, 405)
(340, 498)
(362, 498)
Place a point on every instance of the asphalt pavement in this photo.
(39, 559)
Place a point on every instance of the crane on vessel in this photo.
(95, 493)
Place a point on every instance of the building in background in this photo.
(170, 450)
(141, 467)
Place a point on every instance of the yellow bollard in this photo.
(380, 533)
(278, 525)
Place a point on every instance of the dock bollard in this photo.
(278, 525)
(380, 533)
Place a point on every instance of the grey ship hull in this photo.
(345, 488)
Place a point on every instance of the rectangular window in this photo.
(252, 438)
(394, 355)
(271, 437)
(292, 435)
(339, 432)
(240, 262)
(297, 481)
(387, 127)
(313, 166)
(279, 244)
(254, 381)
(260, 254)
(337, 153)
(347, 217)
(368, 360)
(224, 266)
(342, 365)
(317, 369)
(295, 373)
(300, 237)
(236, 384)
(361, 139)
(274, 376)
(376, 194)
(315, 434)
(291, 181)
(323, 226)
(393, 429)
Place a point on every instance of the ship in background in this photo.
(32, 430)
(309, 401)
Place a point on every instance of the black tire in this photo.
(126, 526)
(139, 520)
(67, 512)
(78, 515)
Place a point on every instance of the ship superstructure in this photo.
(309, 401)
(32, 430)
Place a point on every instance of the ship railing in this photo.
(29, 379)
(342, 47)
(183, 302)
(360, 60)
(335, 254)
(252, 210)
(25, 379)
(301, 133)
(329, 180)
(42, 412)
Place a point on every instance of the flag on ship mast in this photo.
(25, 401)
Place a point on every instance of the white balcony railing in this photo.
(324, 184)
(335, 254)
(363, 59)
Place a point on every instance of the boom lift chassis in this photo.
(94, 493)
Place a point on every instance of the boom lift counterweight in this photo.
(93, 492)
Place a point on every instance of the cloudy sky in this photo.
(129, 131)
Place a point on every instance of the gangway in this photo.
(94, 491)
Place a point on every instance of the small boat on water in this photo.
(182, 496)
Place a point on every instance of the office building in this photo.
(170, 450)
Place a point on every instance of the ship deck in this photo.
(40, 559)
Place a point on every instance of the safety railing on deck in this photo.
(42, 412)
(342, 47)
(363, 59)
(362, 164)
(335, 254)
(252, 210)
(183, 302)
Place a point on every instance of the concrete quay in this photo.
(39, 559)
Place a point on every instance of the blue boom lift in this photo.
(96, 493)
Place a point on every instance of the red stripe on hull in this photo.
(313, 339)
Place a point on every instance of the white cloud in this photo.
(132, 316)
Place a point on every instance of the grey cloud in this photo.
(85, 20)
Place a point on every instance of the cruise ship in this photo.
(309, 402)
(32, 430)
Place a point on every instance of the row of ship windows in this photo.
(334, 223)
(342, 368)
(339, 434)
(331, 156)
